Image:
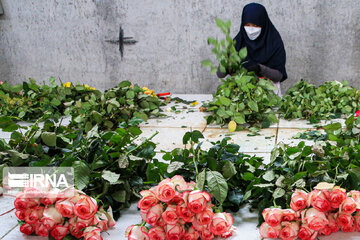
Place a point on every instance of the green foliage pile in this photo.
(329, 100)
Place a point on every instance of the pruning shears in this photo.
(162, 95)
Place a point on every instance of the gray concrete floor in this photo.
(171, 130)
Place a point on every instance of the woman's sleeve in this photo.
(274, 74)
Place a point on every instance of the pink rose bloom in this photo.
(298, 200)
(1, 82)
(331, 227)
(348, 206)
(100, 220)
(357, 113)
(191, 234)
(50, 197)
(149, 199)
(273, 216)
(315, 219)
(267, 231)
(41, 230)
(86, 207)
(165, 191)
(60, 231)
(177, 199)
(33, 215)
(51, 217)
(337, 196)
(350, 228)
(197, 200)
(31, 192)
(27, 228)
(289, 231)
(221, 223)
(157, 233)
(93, 233)
(229, 233)
(305, 233)
(180, 183)
(320, 200)
(205, 217)
(288, 215)
(174, 232)
(198, 227)
(66, 208)
(206, 235)
(170, 217)
(77, 225)
(344, 220)
(184, 212)
(20, 215)
(154, 214)
(21, 203)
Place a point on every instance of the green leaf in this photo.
(174, 166)
(130, 94)
(56, 102)
(109, 176)
(239, 118)
(206, 63)
(49, 138)
(119, 196)
(299, 175)
(217, 185)
(123, 161)
(200, 180)
(243, 53)
(81, 174)
(229, 169)
(224, 101)
(278, 193)
(253, 106)
(269, 176)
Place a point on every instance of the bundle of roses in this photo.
(320, 212)
(176, 211)
(61, 213)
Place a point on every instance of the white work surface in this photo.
(171, 130)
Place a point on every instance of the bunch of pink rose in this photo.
(60, 213)
(320, 212)
(357, 114)
(176, 211)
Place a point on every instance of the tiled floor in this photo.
(171, 130)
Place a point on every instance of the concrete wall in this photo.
(66, 39)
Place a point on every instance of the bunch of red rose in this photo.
(61, 213)
(176, 211)
(320, 212)
(357, 114)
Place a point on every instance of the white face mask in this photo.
(252, 32)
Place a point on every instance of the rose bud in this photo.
(267, 231)
(33, 215)
(20, 215)
(41, 230)
(65, 207)
(205, 217)
(197, 200)
(348, 206)
(305, 233)
(154, 214)
(100, 220)
(149, 199)
(184, 212)
(169, 216)
(336, 197)
(298, 200)
(344, 220)
(332, 223)
(60, 231)
(51, 217)
(288, 215)
(137, 233)
(93, 233)
(206, 235)
(21, 203)
(221, 223)
(314, 219)
(86, 207)
(198, 227)
(174, 232)
(76, 226)
(273, 216)
(229, 233)
(165, 191)
(109, 215)
(157, 233)
(27, 228)
(191, 234)
(319, 200)
(349, 228)
(289, 230)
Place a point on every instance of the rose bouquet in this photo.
(175, 210)
(320, 212)
(61, 213)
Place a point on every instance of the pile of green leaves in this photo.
(29, 101)
(113, 107)
(303, 167)
(242, 97)
(109, 166)
(329, 100)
